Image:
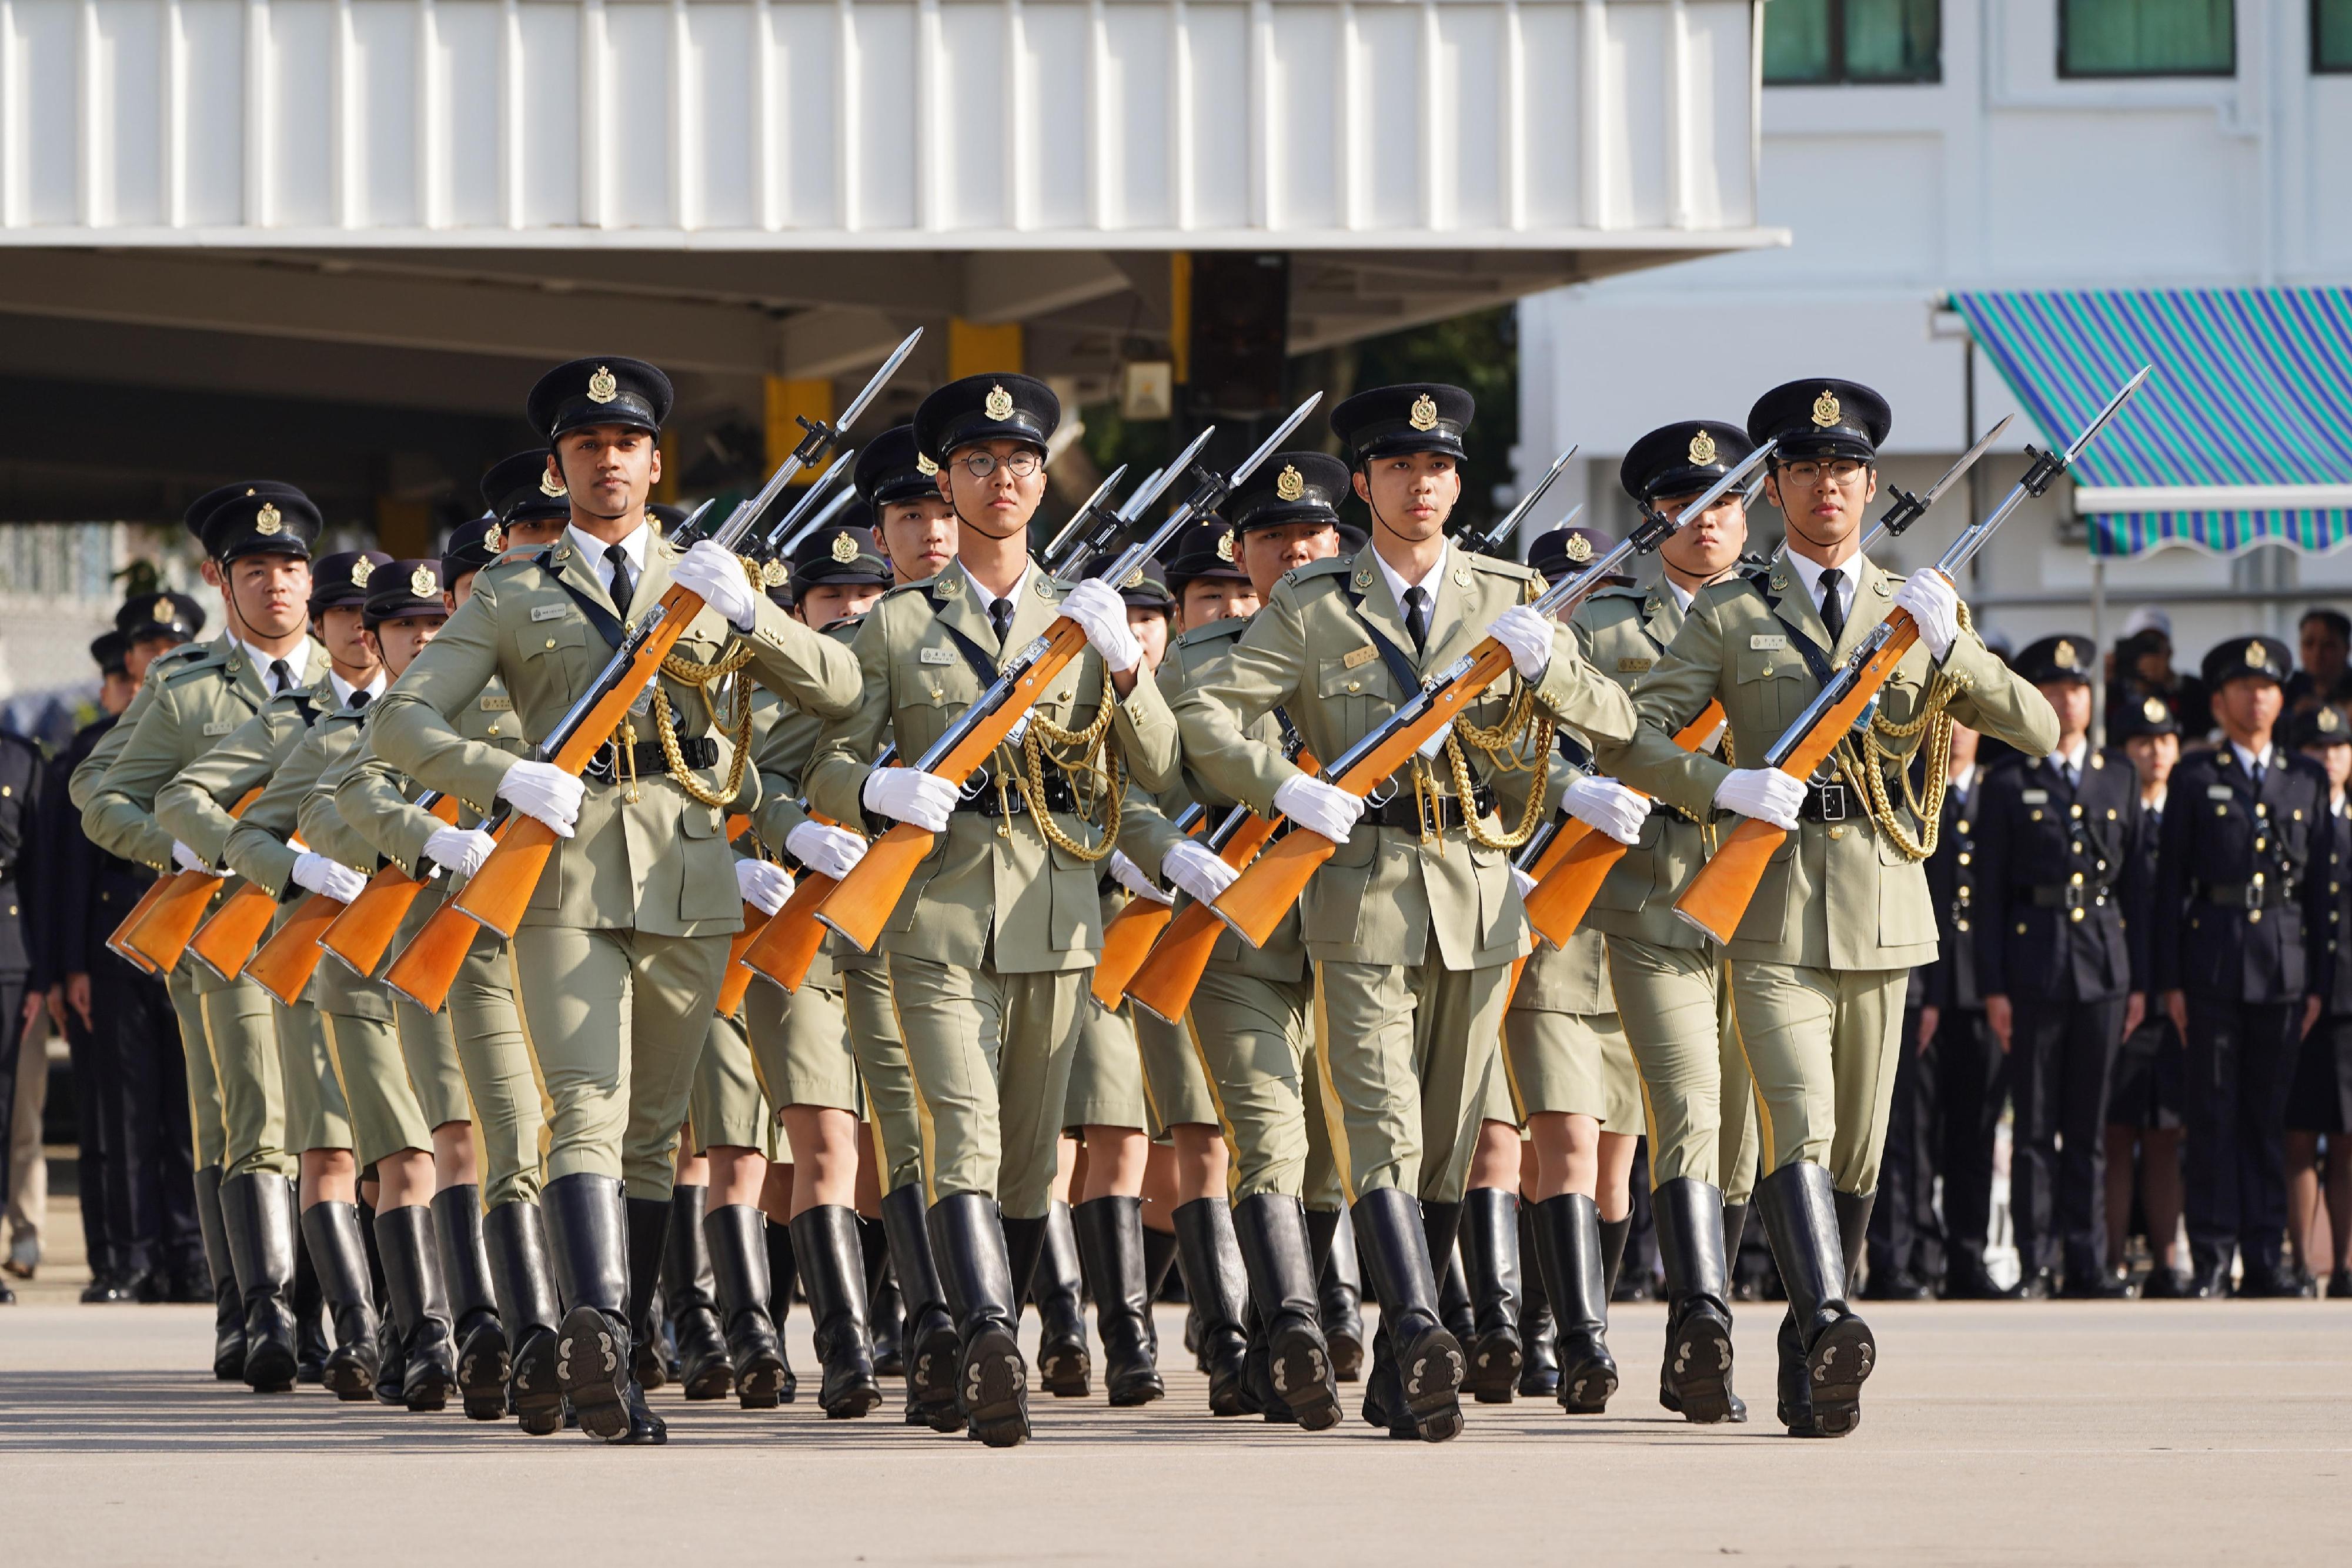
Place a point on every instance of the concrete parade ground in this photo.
(2126, 1433)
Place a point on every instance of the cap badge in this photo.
(550, 485)
(1290, 485)
(155, 611)
(844, 548)
(269, 520)
(2255, 657)
(2154, 711)
(1132, 579)
(604, 387)
(1826, 411)
(422, 582)
(1702, 450)
(1225, 546)
(775, 573)
(494, 540)
(362, 569)
(2062, 655)
(999, 403)
(1577, 548)
(2328, 723)
(1424, 413)
(924, 465)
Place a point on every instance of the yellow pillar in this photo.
(975, 348)
(1180, 315)
(665, 487)
(788, 400)
(404, 529)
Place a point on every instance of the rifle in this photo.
(1128, 938)
(1719, 896)
(1259, 898)
(163, 932)
(290, 956)
(866, 897)
(359, 936)
(118, 941)
(227, 941)
(1556, 907)
(1487, 541)
(428, 965)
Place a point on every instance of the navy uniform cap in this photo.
(2066, 657)
(608, 389)
(520, 489)
(842, 552)
(259, 518)
(1683, 458)
(112, 652)
(166, 614)
(1146, 588)
(892, 468)
(2323, 726)
(1562, 552)
(986, 408)
(1290, 487)
(473, 545)
(401, 588)
(1207, 548)
(2266, 658)
(345, 579)
(1822, 418)
(1417, 417)
(2141, 713)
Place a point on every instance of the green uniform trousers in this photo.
(204, 1085)
(1696, 1096)
(990, 1057)
(1820, 1045)
(801, 1040)
(241, 1038)
(901, 1138)
(373, 1072)
(1175, 1087)
(1412, 1059)
(317, 1115)
(502, 1093)
(1106, 1073)
(615, 1019)
(1254, 1040)
(725, 1109)
(1575, 1063)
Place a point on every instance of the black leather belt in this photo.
(1830, 802)
(1660, 808)
(983, 798)
(2260, 893)
(2065, 895)
(702, 751)
(1401, 811)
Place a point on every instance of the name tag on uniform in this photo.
(1633, 667)
(547, 612)
(1766, 642)
(1359, 658)
(2219, 792)
(2034, 797)
(938, 655)
(221, 727)
(497, 704)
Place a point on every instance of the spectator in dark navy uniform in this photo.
(2055, 963)
(2144, 669)
(21, 772)
(1972, 1075)
(2236, 909)
(2324, 638)
(2319, 1098)
(2144, 1108)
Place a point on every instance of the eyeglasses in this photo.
(1021, 464)
(1837, 471)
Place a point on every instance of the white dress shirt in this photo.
(592, 550)
(344, 688)
(1808, 572)
(988, 596)
(2062, 760)
(1429, 584)
(297, 661)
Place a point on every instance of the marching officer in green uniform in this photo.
(1819, 962)
(528, 502)
(619, 958)
(1415, 924)
(989, 946)
(257, 538)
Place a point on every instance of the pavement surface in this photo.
(2126, 1433)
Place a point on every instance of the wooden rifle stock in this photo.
(861, 905)
(788, 944)
(163, 933)
(363, 930)
(1164, 985)
(1577, 861)
(1719, 896)
(119, 941)
(227, 940)
(287, 961)
(737, 979)
(1126, 941)
(428, 966)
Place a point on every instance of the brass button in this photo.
(1962, 924)
(1964, 825)
(2033, 816)
(2254, 918)
(494, 729)
(2262, 808)
(2076, 879)
(2020, 928)
(1837, 833)
(1355, 685)
(1964, 857)
(2074, 914)
(550, 642)
(2076, 811)
(2260, 846)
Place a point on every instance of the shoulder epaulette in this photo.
(1329, 566)
(1499, 567)
(899, 590)
(1215, 630)
(192, 668)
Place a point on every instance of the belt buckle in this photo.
(1832, 801)
(2074, 895)
(2250, 895)
(603, 764)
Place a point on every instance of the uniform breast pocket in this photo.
(1359, 688)
(1771, 683)
(550, 650)
(709, 885)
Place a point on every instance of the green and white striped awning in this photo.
(2241, 437)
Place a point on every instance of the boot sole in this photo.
(759, 1382)
(1432, 1376)
(1836, 1366)
(1142, 1389)
(1299, 1365)
(1347, 1357)
(350, 1381)
(1493, 1375)
(1699, 1369)
(1064, 1371)
(482, 1376)
(853, 1403)
(994, 1389)
(428, 1393)
(587, 1356)
(270, 1370)
(711, 1383)
(538, 1402)
(1585, 1388)
(931, 1382)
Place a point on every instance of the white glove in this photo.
(1197, 870)
(1607, 805)
(319, 874)
(1526, 632)
(910, 795)
(1766, 794)
(460, 852)
(1317, 807)
(1096, 607)
(1522, 882)
(711, 570)
(763, 884)
(1129, 875)
(828, 851)
(187, 859)
(1935, 605)
(545, 792)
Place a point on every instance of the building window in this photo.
(2147, 37)
(2331, 34)
(1815, 43)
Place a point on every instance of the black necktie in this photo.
(1416, 617)
(624, 588)
(2255, 772)
(1832, 606)
(359, 697)
(1000, 617)
(2067, 772)
(281, 676)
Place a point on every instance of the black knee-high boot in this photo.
(1568, 1250)
(824, 1239)
(932, 1346)
(1827, 1350)
(481, 1341)
(515, 1237)
(1340, 1285)
(420, 1304)
(1417, 1361)
(1539, 1368)
(1277, 1253)
(983, 1285)
(1694, 1380)
(783, 1278)
(330, 1232)
(689, 1290)
(257, 1220)
(588, 1234)
(229, 1301)
(1489, 1240)
(1110, 1240)
(1048, 1249)
(885, 1302)
(311, 1346)
(735, 1236)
